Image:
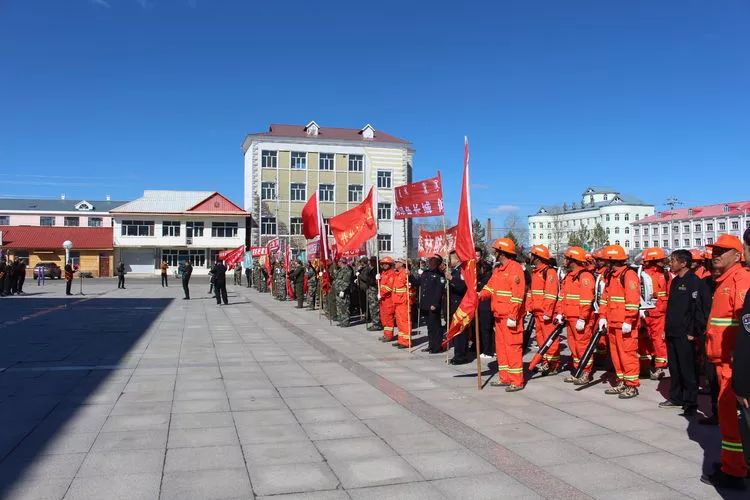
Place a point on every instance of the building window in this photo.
(384, 211)
(709, 241)
(690, 212)
(170, 228)
(356, 163)
(735, 224)
(637, 244)
(627, 230)
(675, 229)
(709, 226)
(645, 231)
(656, 243)
(268, 225)
(549, 225)
(686, 241)
(326, 161)
(665, 243)
(326, 192)
(4, 220)
(533, 236)
(617, 217)
(549, 236)
(608, 231)
(697, 242)
(637, 231)
(627, 217)
(268, 159)
(617, 230)
(606, 217)
(299, 160)
(722, 226)
(725, 208)
(194, 230)
(355, 193)
(299, 192)
(198, 257)
(295, 225)
(174, 257)
(137, 228)
(327, 227)
(95, 222)
(747, 224)
(71, 221)
(617, 242)
(637, 216)
(664, 230)
(267, 190)
(627, 243)
(224, 229)
(384, 179)
(697, 228)
(384, 243)
(676, 243)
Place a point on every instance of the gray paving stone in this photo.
(374, 472)
(271, 434)
(647, 491)
(553, 452)
(516, 433)
(296, 452)
(326, 401)
(262, 418)
(608, 476)
(409, 491)
(320, 415)
(311, 495)
(80, 442)
(252, 404)
(395, 426)
(293, 478)
(229, 483)
(660, 466)
(453, 463)
(201, 420)
(425, 442)
(131, 440)
(37, 489)
(200, 406)
(354, 448)
(43, 466)
(614, 445)
(210, 436)
(336, 430)
(103, 463)
(142, 407)
(115, 486)
(136, 422)
(484, 487)
(210, 457)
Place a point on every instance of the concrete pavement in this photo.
(138, 394)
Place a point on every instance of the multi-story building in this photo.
(693, 227)
(614, 211)
(285, 165)
(175, 226)
(56, 212)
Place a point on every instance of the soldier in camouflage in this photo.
(373, 302)
(342, 288)
(311, 272)
(280, 281)
(330, 297)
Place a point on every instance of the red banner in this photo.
(354, 227)
(232, 257)
(420, 199)
(313, 249)
(258, 251)
(437, 242)
(357, 252)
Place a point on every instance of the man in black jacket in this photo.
(219, 273)
(687, 313)
(457, 288)
(297, 277)
(121, 275)
(431, 286)
(187, 271)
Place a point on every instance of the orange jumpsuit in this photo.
(701, 272)
(506, 288)
(721, 335)
(602, 347)
(400, 297)
(620, 303)
(576, 302)
(540, 301)
(387, 311)
(652, 345)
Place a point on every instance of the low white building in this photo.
(176, 226)
(614, 211)
(693, 227)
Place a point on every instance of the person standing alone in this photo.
(164, 268)
(219, 272)
(69, 277)
(187, 271)
(121, 275)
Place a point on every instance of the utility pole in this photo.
(672, 202)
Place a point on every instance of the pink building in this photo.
(56, 213)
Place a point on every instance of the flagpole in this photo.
(476, 347)
(447, 290)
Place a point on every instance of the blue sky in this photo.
(113, 96)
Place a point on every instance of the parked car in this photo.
(51, 270)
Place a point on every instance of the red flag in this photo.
(420, 199)
(436, 242)
(354, 227)
(310, 219)
(232, 257)
(287, 266)
(465, 252)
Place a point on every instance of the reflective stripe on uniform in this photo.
(731, 446)
(724, 322)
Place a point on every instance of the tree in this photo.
(519, 228)
(580, 238)
(479, 233)
(558, 235)
(598, 236)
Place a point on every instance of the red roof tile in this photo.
(734, 208)
(217, 204)
(51, 238)
(347, 134)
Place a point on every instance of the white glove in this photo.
(320, 274)
(511, 323)
(357, 273)
(559, 319)
(341, 294)
(626, 328)
(546, 318)
(602, 324)
(377, 276)
(579, 325)
(642, 314)
(420, 271)
(379, 297)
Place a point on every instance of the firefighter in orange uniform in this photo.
(540, 301)
(601, 354)
(506, 289)
(400, 295)
(619, 315)
(387, 311)
(698, 268)
(575, 309)
(732, 283)
(651, 343)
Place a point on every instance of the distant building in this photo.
(58, 212)
(614, 211)
(176, 226)
(693, 227)
(285, 165)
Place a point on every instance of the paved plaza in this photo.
(137, 393)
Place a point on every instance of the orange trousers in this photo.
(651, 343)
(403, 324)
(624, 349)
(387, 317)
(509, 347)
(578, 342)
(732, 455)
(543, 330)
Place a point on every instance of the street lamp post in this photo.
(67, 245)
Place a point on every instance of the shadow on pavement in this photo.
(54, 355)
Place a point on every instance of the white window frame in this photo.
(356, 163)
(224, 229)
(269, 159)
(298, 191)
(355, 193)
(327, 161)
(4, 220)
(197, 227)
(69, 218)
(268, 190)
(95, 222)
(142, 228)
(385, 178)
(327, 195)
(722, 226)
(170, 229)
(295, 225)
(268, 225)
(298, 160)
(384, 211)
(385, 243)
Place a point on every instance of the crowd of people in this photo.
(12, 276)
(681, 316)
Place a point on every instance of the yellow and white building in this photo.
(287, 164)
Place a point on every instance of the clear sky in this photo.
(113, 96)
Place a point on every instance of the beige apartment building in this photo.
(287, 164)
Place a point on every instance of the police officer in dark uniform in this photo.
(457, 288)
(219, 272)
(431, 287)
(187, 271)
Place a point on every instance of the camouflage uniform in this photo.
(280, 282)
(312, 287)
(342, 283)
(373, 302)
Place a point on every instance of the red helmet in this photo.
(577, 254)
(505, 245)
(615, 252)
(541, 251)
(598, 254)
(653, 254)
